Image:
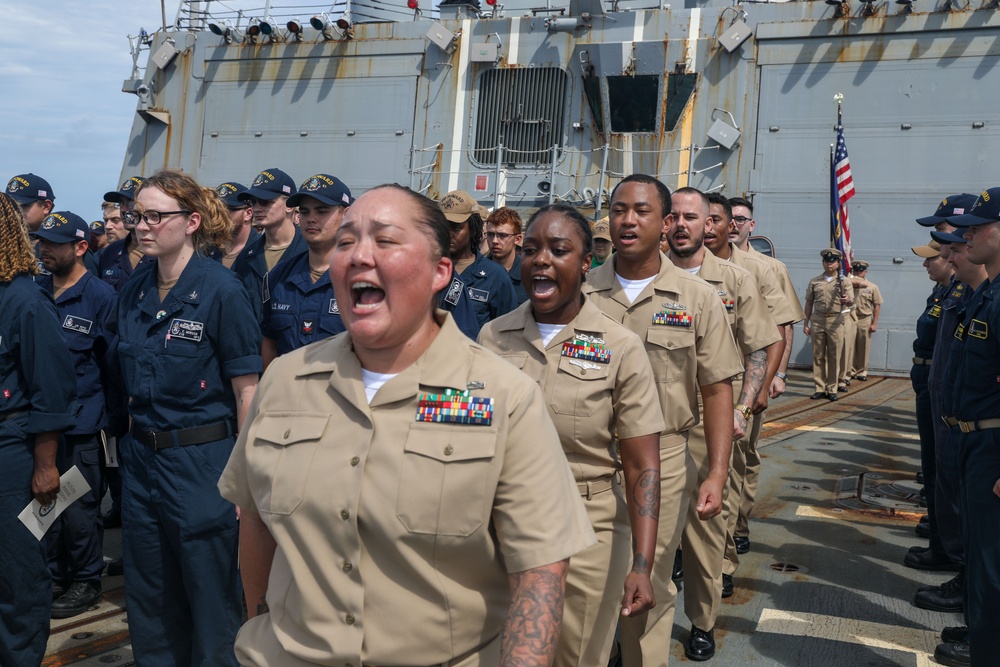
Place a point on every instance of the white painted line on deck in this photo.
(848, 431)
(852, 631)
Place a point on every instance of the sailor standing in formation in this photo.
(827, 305)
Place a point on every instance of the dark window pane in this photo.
(680, 87)
(634, 101)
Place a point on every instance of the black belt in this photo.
(921, 361)
(10, 415)
(183, 437)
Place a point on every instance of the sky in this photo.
(62, 113)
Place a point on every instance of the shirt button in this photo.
(348, 566)
(345, 515)
(350, 619)
(288, 432)
(355, 461)
(448, 450)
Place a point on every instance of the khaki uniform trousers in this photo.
(595, 584)
(264, 650)
(703, 545)
(862, 347)
(846, 359)
(827, 334)
(646, 638)
(743, 477)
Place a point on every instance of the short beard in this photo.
(684, 252)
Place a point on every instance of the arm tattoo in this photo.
(531, 632)
(646, 494)
(639, 564)
(753, 378)
(262, 607)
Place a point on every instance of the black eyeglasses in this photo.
(741, 220)
(153, 218)
(498, 235)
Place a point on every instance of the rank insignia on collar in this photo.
(455, 407)
(142, 295)
(672, 318)
(481, 274)
(582, 348)
(193, 294)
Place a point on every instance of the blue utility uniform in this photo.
(75, 553)
(456, 301)
(114, 266)
(489, 288)
(975, 386)
(299, 311)
(923, 352)
(251, 267)
(179, 536)
(216, 254)
(37, 394)
(514, 273)
(947, 520)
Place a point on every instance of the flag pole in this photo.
(833, 209)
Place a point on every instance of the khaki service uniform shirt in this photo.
(767, 281)
(685, 331)
(825, 297)
(865, 300)
(749, 319)
(590, 401)
(784, 281)
(395, 536)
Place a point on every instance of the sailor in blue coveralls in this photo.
(280, 241)
(975, 411)
(84, 304)
(486, 282)
(122, 257)
(241, 213)
(37, 393)
(303, 308)
(189, 348)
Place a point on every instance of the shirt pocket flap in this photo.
(284, 429)
(670, 338)
(517, 359)
(583, 369)
(467, 444)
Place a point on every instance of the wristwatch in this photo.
(745, 411)
(782, 376)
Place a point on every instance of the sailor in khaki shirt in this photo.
(684, 326)
(828, 303)
(757, 337)
(404, 497)
(868, 302)
(598, 386)
(745, 471)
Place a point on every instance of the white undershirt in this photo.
(694, 271)
(828, 278)
(374, 381)
(549, 331)
(633, 287)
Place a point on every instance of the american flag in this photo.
(841, 190)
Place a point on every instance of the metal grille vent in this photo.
(522, 111)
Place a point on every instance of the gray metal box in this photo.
(724, 133)
(484, 52)
(164, 54)
(441, 36)
(735, 35)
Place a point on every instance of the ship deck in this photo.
(824, 582)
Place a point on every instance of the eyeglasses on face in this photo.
(741, 219)
(500, 236)
(153, 218)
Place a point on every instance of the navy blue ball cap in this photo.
(984, 211)
(324, 188)
(230, 192)
(126, 192)
(29, 188)
(951, 205)
(63, 227)
(270, 184)
(97, 227)
(947, 237)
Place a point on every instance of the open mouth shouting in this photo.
(366, 296)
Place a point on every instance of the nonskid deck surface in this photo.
(823, 583)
